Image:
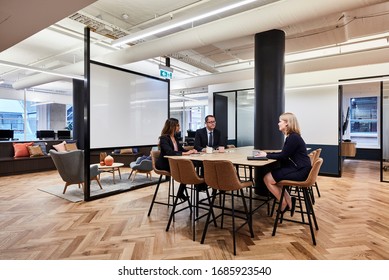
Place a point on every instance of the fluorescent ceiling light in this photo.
(181, 97)
(152, 31)
(25, 67)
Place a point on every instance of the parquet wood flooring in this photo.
(352, 213)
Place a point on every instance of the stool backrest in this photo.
(184, 172)
(312, 156)
(221, 175)
(154, 156)
(317, 154)
(311, 179)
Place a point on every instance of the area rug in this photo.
(75, 194)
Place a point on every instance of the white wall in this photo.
(317, 112)
(316, 107)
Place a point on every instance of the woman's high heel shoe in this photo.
(183, 197)
(285, 209)
(293, 206)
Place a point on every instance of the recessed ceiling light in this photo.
(125, 16)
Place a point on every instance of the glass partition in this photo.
(385, 133)
(245, 118)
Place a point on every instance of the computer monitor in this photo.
(41, 134)
(63, 134)
(191, 133)
(6, 134)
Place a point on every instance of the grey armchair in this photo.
(70, 166)
(144, 166)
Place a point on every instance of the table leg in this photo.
(113, 175)
(120, 175)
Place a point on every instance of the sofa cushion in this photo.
(21, 149)
(71, 146)
(35, 151)
(43, 146)
(60, 147)
(126, 151)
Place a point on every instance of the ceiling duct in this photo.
(273, 16)
(193, 62)
(98, 25)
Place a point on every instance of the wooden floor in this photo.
(352, 213)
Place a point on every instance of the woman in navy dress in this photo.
(294, 161)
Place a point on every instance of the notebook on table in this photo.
(256, 158)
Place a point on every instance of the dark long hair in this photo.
(170, 126)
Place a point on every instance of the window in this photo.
(42, 116)
(364, 121)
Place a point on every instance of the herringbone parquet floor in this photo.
(352, 214)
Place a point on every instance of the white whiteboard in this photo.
(126, 109)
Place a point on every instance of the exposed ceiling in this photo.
(217, 44)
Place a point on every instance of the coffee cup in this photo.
(209, 150)
(221, 149)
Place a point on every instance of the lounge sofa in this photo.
(9, 165)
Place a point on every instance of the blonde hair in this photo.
(291, 120)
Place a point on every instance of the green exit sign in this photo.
(165, 74)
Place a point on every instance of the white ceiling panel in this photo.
(60, 44)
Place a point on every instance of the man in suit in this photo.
(208, 136)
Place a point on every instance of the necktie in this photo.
(210, 142)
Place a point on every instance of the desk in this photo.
(111, 168)
(238, 156)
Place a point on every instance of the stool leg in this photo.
(308, 208)
(181, 190)
(214, 191)
(300, 205)
(248, 214)
(223, 207)
(209, 201)
(154, 196)
(233, 221)
(278, 211)
(317, 189)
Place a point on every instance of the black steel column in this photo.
(86, 114)
(167, 63)
(269, 94)
(78, 112)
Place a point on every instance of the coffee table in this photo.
(111, 169)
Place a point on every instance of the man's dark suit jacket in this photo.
(201, 139)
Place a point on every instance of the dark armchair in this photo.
(70, 166)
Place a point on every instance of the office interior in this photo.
(320, 90)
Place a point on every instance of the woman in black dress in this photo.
(169, 146)
(294, 161)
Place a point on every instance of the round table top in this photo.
(114, 165)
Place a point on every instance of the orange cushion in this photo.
(35, 151)
(21, 150)
(60, 147)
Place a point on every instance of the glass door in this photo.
(385, 133)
